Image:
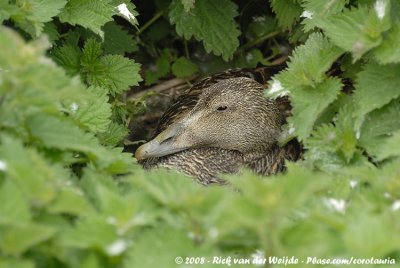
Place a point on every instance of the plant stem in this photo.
(150, 22)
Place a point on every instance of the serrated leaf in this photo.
(114, 134)
(390, 147)
(71, 200)
(91, 14)
(30, 172)
(357, 30)
(376, 85)
(161, 69)
(13, 204)
(90, 232)
(308, 104)
(183, 67)
(91, 54)
(68, 57)
(210, 22)
(17, 238)
(188, 4)
(126, 10)
(378, 126)
(51, 30)
(34, 13)
(287, 12)
(315, 11)
(118, 41)
(389, 50)
(309, 63)
(7, 10)
(115, 73)
(95, 112)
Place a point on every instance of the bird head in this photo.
(232, 114)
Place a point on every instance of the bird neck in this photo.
(266, 162)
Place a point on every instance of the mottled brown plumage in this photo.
(221, 124)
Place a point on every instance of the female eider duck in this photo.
(220, 125)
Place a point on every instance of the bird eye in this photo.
(222, 108)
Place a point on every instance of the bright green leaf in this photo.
(183, 67)
(210, 22)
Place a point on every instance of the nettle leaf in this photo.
(33, 14)
(357, 30)
(118, 41)
(14, 206)
(376, 85)
(91, 14)
(126, 10)
(68, 57)
(309, 103)
(114, 134)
(183, 67)
(210, 22)
(7, 10)
(309, 63)
(188, 4)
(33, 175)
(378, 126)
(118, 75)
(339, 139)
(95, 112)
(389, 50)
(54, 132)
(113, 72)
(390, 147)
(161, 69)
(315, 11)
(287, 12)
(19, 237)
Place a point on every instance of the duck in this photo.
(219, 126)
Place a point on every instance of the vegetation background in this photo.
(69, 196)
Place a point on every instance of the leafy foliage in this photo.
(69, 196)
(205, 15)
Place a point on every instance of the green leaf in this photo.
(162, 68)
(287, 12)
(13, 204)
(70, 200)
(90, 232)
(390, 147)
(59, 133)
(357, 30)
(210, 22)
(309, 103)
(309, 63)
(91, 14)
(94, 113)
(7, 10)
(34, 13)
(126, 10)
(188, 4)
(117, 40)
(115, 73)
(33, 175)
(163, 242)
(389, 50)
(183, 67)
(378, 126)
(19, 237)
(68, 57)
(376, 85)
(114, 134)
(51, 30)
(16, 263)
